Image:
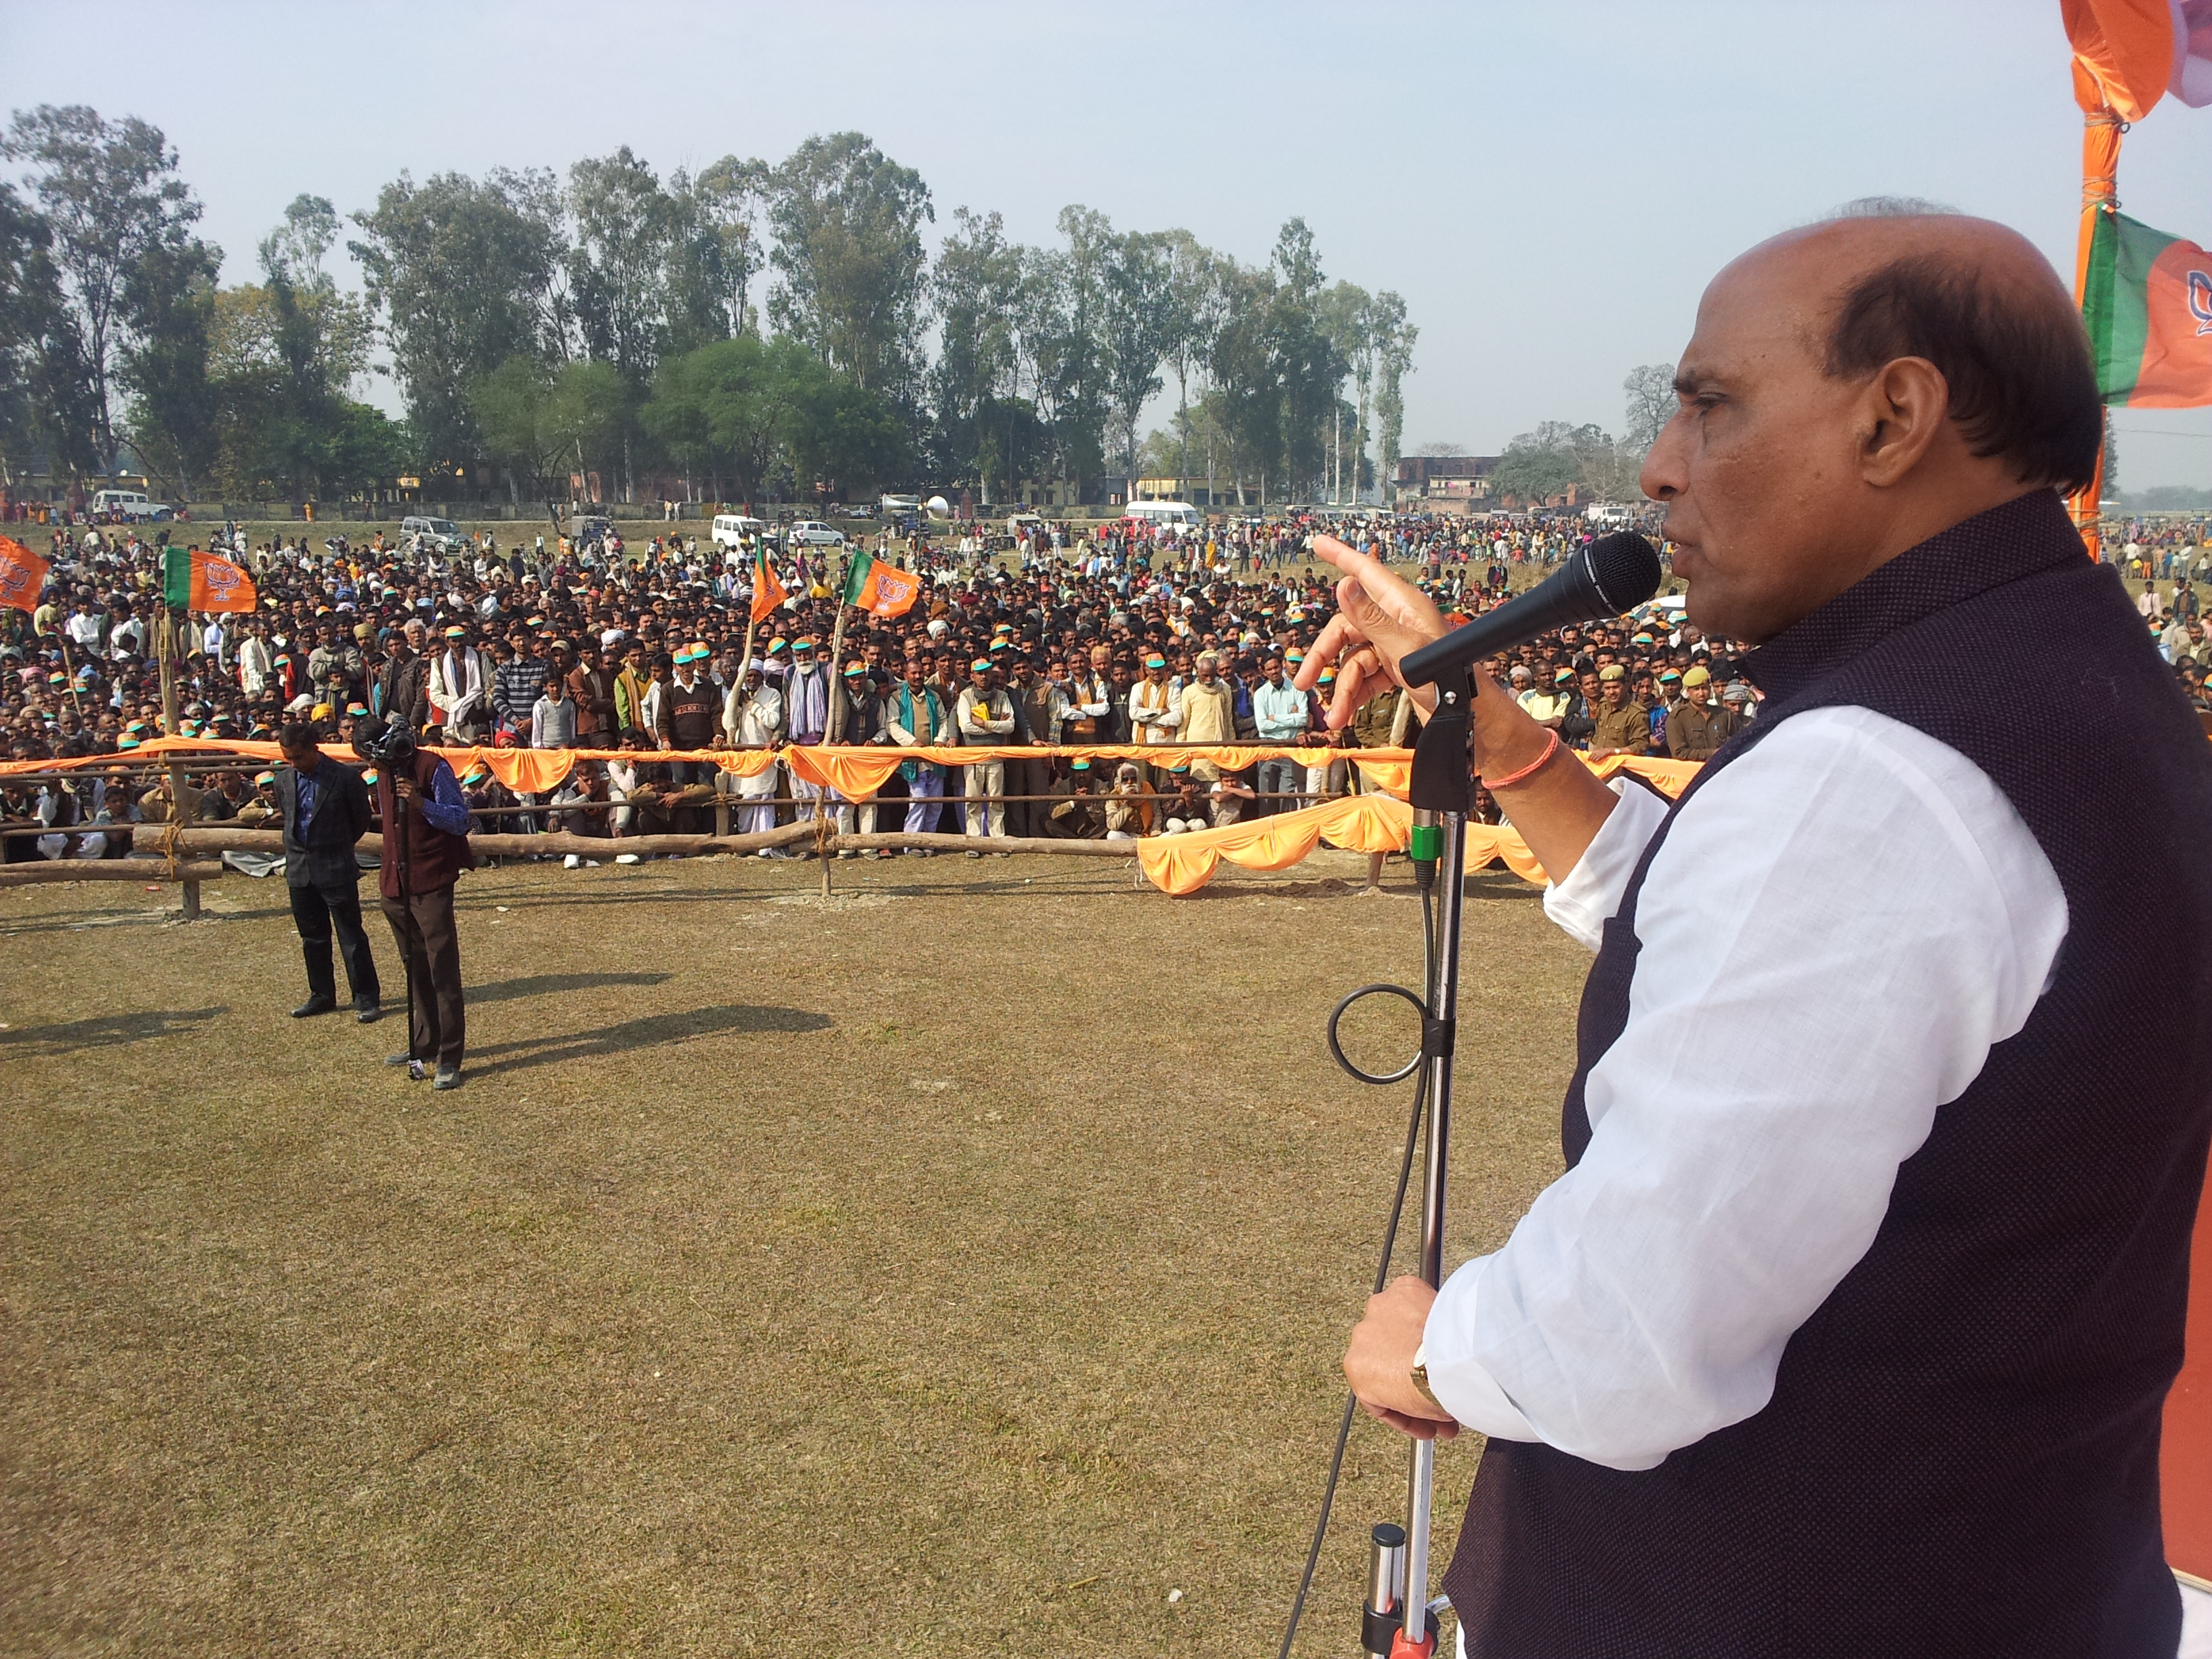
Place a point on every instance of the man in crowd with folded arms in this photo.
(1847, 1328)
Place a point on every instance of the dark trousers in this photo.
(1029, 777)
(315, 912)
(424, 928)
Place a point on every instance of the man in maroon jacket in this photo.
(426, 847)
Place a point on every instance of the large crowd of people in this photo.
(1081, 635)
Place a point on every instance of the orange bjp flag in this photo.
(768, 593)
(881, 589)
(193, 580)
(22, 575)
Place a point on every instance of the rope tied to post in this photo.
(168, 845)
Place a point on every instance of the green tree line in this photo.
(752, 329)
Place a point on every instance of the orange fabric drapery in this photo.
(1180, 865)
(865, 767)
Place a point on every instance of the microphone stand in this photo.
(1440, 795)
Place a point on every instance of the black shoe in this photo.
(416, 1070)
(368, 1013)
(314, 1006)
(449, 1077)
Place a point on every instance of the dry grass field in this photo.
(964, 1261)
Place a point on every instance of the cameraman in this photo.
(426, 847)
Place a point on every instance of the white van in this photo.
(131, 504)
(1163, 515)
(730, 529)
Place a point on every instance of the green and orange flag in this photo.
(22, 575)
(193, 580)
(768, 593)
(2147, 300)
(880, 589)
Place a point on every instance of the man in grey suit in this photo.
(325, 808)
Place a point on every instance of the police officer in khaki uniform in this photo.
(1696, 728)
(1624, 725)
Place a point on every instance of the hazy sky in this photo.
(1549, 186)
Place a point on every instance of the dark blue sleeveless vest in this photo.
(1960, 1458)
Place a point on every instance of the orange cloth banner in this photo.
(865, 768)
(1181, 864)
(23, 576)
(855, 771)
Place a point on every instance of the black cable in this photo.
(1381, 1279)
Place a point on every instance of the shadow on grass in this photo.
(633, 1034)
(105, 1031)
(543, 985)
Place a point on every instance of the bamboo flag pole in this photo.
(164, 649)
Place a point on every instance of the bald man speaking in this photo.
(1847, 1329)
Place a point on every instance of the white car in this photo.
(131, 504)
(812, 532)
(441, 535)
(732, 529)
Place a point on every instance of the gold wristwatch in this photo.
(1421, 1377)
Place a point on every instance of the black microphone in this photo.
(1614, 574)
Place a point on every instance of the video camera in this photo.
(384, 742)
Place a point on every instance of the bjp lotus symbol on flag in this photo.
(193, 580)
(880, 589)
(2148, 303)
(22, 575)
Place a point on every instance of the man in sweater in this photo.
(553, 717)
(915, 716)
(691, 712)
(986, 718)
(1869, 1266)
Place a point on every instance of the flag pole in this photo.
(835, 724)
(164, 649)
(752, 619)
(2101, 128)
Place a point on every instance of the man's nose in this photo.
(1664, 474)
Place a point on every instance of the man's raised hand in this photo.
(1380, 619)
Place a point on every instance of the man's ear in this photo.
(1905, 408)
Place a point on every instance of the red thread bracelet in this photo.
(1551, 747)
